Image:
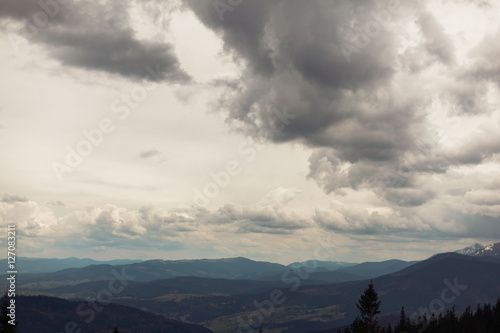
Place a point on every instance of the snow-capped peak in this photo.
(470, 250)
(479, 250)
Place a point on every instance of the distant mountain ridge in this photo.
(375, 269)
(229, 268)
(48, 265)
(36, 277)
(492, 250)
(226, 268)
(322, 265)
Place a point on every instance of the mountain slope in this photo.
(185, 286)
(336, 276)
(43, 314)
(374, 269)
(318, 276)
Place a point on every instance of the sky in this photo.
(349, 130)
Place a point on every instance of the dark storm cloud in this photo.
(94, 36)
(116, 53)
(310, 73)
(19, 9)
(355, 93)
(241, 28)
(333, 93)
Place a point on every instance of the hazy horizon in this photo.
(200, 258)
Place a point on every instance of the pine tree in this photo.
(368, 305)
(116, 330)
(402, 320)
(486, 319)
(358, 326)
(496, 324)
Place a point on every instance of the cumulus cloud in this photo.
(380, 221)
(258, 220)
(484, 202)
(113, 226)
(34, 219)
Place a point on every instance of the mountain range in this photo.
(308, 304)
(223, 294)
(229, 268)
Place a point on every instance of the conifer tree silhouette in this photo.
(5, 327)
(402, 320)
(368, 305)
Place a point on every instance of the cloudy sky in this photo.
(270, 129)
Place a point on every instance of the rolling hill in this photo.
(43, 314)
(370, 270)
(184, 285)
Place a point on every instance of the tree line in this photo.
(484, 319)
